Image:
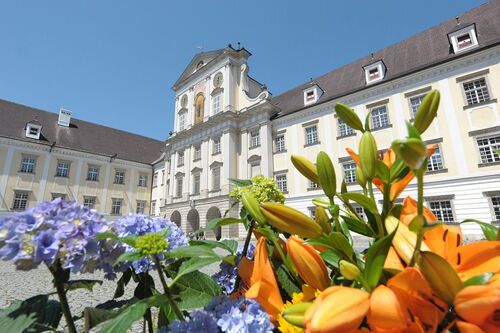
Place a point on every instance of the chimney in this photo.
(64, 117)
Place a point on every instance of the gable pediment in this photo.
(202, 57)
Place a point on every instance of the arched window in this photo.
(199, 107)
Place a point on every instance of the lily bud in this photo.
(368, 155)
(306, 168)
(337, 309)
(326, 174)
(294, 314)
(252, 206)
(404, 240)
(412, 151)
(349, 270)
(307, 261)
(322, 219)
(441, 276)
(320, 202)
(348, 116)
(290, 220)
(427, 111)
(360, 177)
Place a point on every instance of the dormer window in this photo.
(33, 130)
(463, 39)
(374, 72)
(312, 94)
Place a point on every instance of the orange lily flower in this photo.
(337, 309)
(477, 258)
(307, 261)
(259, 276)
(392, 261)
(386, 312)
(389, 158)
(479, 306)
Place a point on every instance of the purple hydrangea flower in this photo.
(56, 230)
(137, 224)
(201, 321)
(226, 276)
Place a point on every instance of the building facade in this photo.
(227, 125)
(44, 155)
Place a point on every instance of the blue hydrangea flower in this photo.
(226, 276)
(138, 224)
(57, 230)
(201, 321)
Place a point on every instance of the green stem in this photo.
(387, 202)
(370, 190)
(420, 212)
(56, 270)
(166, 289)
(348, 205)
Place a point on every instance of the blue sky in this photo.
(113, 62)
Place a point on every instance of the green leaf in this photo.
(375, 259)
(358, 226)
(196, 290)
(105, 311)
(362, 200)
(478, 280)
(489, 230)
(286, 280)
(122, 282)
(219, 222)
(129, 240)
(240, 182)
(367, 121)
(229, 245)
(192, 265)
(190, 251)
(81, 284)
(331, 258)
(128, 256)
(412, 131)
(122, 322)
(383, 172)
(32, 315)
(106, 235)
(340, 242)
(398, 170)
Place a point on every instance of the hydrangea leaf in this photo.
(196, 290)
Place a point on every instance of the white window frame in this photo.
(380, 117)
(478, 94)
(380, 67)
(216, 145)
(349, 171)
(495, 206)
(311, 138)
(33, 131)
(196, 152)
(140, 206)
(178, 186)
(254, 138)
(89, 202)
(93, 173)
(28, 164)
(20, 200)
(62, 169)
(252, 166)
(119, 177)
(312, 94)
(414, 106)
(442, 209)
(217, 102)
(312, 185)
(182, 120)
(344, 129)
(454, 36)
(153, 207)
(143, 180)
(436, 161)
(196, 183)
(155, 179)
(489, 149)
(180, 159)
(216, 171)
(279, 143)
(116, 206)
(281, 182)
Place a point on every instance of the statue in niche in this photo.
(199, 108)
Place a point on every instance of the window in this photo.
(217, 103)
(443, 210)
(89, 202)
(180, 159)
(281, 183)
(435, 162)
(216, 178)
(463, 39)
(155, 179)
(62, 169)
(255, 169)
(487, 149)
(141, 204)
(254, 138)
(360, 211)
(217, 148)
(312, 211)
(349, 172)
(279, 143)
(476, 91)
(33, 131)
(380, 118)
(311, 135)
(119, 177)
(310, 96)
(374, 72)
(28, 164)
(182, 121)
(312, 185)
(178, 192)
(20, 200)
(58, 195)
(344, 129)
(93, 173)
(196, 183)
(153, 207)
(143, 180)
(495, 203)
(197, 153)
(415, 104)
(116, 206)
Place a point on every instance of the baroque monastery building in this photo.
(228, 125)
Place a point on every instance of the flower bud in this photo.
(348, 116)
(290, 220)
(306, 168)
(412, 151)
(427, 111)
(294, 314)
(349, 270)
(326, 174)
(322, 219)
(307, 261)
(252, 207)
(368, 155)
(320, 202)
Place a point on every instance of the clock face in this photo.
(218, 79)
